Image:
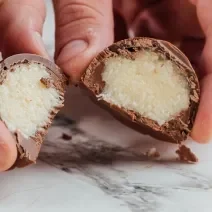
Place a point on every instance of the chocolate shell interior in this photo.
(148, 84)
(31, 93)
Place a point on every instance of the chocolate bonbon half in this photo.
(148, 84)
(31, 93)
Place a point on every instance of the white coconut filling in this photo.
(148, 85)
(25, 103)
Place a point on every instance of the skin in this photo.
(84, 28)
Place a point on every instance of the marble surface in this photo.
(90, 162)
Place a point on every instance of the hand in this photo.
(187, 23)
(83, 28)
(21, 24)
(89, 29)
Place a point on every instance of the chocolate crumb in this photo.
(66, 136)
(185, 154)
(25, 61)
(153, 153)
(47, 82)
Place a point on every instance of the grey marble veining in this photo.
(125, 173)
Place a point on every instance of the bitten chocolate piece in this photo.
(31, 94)
(148, 84)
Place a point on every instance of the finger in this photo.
(202, 130)
(21, 23)
(83, 29)
(8, 150)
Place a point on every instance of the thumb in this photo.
(21, 23)
(83, 29)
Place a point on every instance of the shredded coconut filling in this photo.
(148, 85)
(25, 103)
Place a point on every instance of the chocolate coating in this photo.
(178, 128)
(28, 149)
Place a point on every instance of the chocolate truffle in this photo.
(31, 94)
(148, 84)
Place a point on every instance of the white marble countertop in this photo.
(101, 167)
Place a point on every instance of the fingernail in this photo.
(72, 49)
(40, 44)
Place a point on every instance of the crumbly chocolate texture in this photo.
(178, 128)
(46, 82)
(28, 149)
(186, 155)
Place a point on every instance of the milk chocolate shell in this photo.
(31, 94)
(147, 84)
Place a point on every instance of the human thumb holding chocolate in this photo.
(84, 28)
